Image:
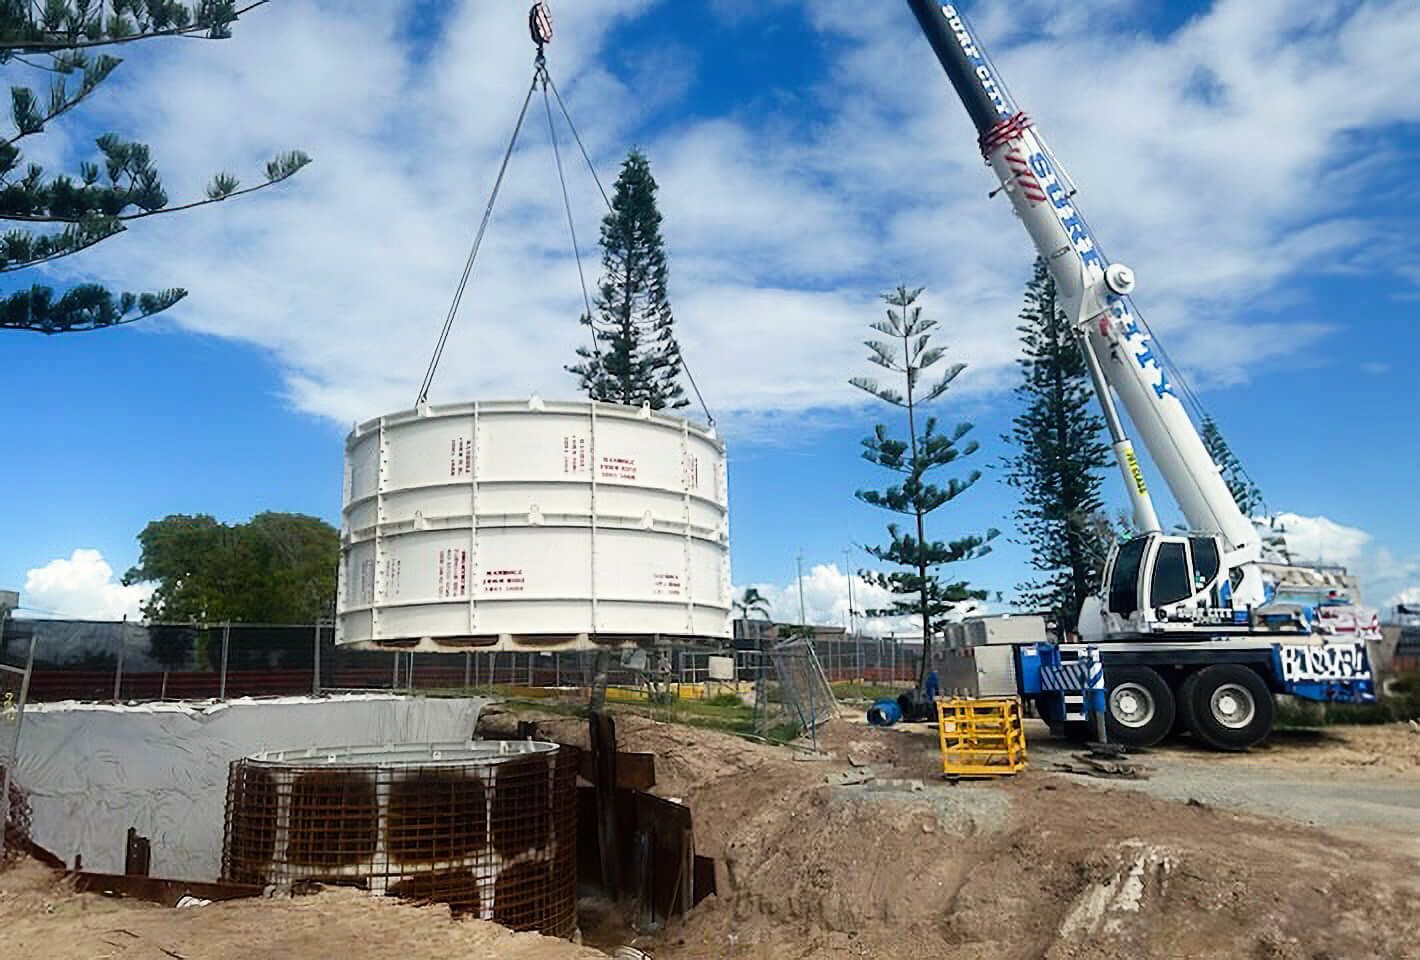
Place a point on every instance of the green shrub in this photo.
(1402, 703)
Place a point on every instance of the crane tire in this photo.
(1139, 706)
(1227, 707)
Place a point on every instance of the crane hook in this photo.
(540, 24)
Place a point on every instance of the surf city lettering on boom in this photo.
(1125, 323)
(968, 47)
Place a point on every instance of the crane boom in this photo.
(1095, 296)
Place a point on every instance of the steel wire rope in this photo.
(540, 74)
(473, 253)
(680, 355)
(567, 205)
(578, 137)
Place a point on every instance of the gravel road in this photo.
(1353, 778)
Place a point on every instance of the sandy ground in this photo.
(1304, 850)
(41, 916)
(1355, 781)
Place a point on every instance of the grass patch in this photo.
(726, 700)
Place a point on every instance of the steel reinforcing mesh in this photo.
(490, 831)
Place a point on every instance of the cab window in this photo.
(1205, 559)
(1124, 584)
(1171, 581)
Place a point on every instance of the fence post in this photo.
(530, 668)
(409, 673)
(118, 671)
(226, 647)
(394, 680)
(467, 667)
(315, 679)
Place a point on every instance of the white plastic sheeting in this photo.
(94, 770)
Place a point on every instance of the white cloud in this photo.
(82, 588)
(1219, 161)
(825, 602)
(1392, 579)
(1322, 540)
(1409, 596)
(1386, 579)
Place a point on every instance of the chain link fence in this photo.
(115, 661)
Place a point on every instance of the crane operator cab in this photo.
(1161, 584)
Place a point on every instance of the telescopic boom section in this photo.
(1094, 295)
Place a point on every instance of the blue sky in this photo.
(1242, 156)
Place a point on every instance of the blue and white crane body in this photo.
(1182, 623)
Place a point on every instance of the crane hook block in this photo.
(540, 23)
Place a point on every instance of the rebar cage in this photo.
(487, 827)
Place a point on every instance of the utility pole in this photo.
(852, 614)
(803, 617)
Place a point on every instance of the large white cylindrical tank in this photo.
(532, 524)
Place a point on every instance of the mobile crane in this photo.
(1186, 627)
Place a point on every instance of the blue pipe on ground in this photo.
(884, 713)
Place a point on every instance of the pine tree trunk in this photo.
(1070, 604)
(921, 524)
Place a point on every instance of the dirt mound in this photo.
(1040, 866)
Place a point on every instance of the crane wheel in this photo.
(1227, 707)
(1139, 706)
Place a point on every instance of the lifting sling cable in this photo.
(578, 137)
(685, 367)
(473, 253)
(544, 78)
(567, 203)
